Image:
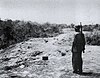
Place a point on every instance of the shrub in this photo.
(91, 27)
(17, 31)
(93, 38)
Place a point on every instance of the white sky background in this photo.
(53, 11)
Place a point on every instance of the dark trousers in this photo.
(77, 61)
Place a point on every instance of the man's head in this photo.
(77, 28)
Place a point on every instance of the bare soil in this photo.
(25, 59)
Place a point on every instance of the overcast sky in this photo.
(53, 11)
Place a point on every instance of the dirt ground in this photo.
(25, 59)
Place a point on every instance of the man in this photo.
(77, 48)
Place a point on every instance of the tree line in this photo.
(12, 32)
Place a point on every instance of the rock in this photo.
(59, 43)
(59, 51)
(35, 53)
(6, 59)
(22, 66)
(63, 54)
(7, 68)
(29, 47)
(67, 50)
(89, 51)
(45, 58)
(46, 41)
(18, 61)
(15, 76)
(10, 67)
(22, 42)
(19, 50)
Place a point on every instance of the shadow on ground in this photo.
(83, 75)
(90, 74)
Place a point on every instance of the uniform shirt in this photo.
(78, 43)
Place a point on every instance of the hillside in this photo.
(24, 60)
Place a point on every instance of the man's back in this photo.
(79, 42)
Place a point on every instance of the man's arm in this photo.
(74, 42)
(83, 43)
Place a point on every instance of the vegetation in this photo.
(91, 27)
(93, 38)
(12, 32)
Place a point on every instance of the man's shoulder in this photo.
(81, 33)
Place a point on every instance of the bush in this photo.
(91, 27)
(17, 31)
(93, 38)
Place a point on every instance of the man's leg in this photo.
(80, 63)
(74, 63)
(80, 66)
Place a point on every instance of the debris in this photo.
(59, 43)
(46, 41)
(22, 66)
(63, 54)
(67, 50)
(7, 68)
(35, 53)
(10, 67)
(19, 50)
(59, 51)
(45, 58)
(29, 47)
(5, 59)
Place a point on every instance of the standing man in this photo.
(78, 47)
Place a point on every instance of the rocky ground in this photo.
(25, 59)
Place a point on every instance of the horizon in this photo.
(52, 11)
(45, 22)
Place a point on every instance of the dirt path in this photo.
(24, 60)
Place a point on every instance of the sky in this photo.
(53, 11)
